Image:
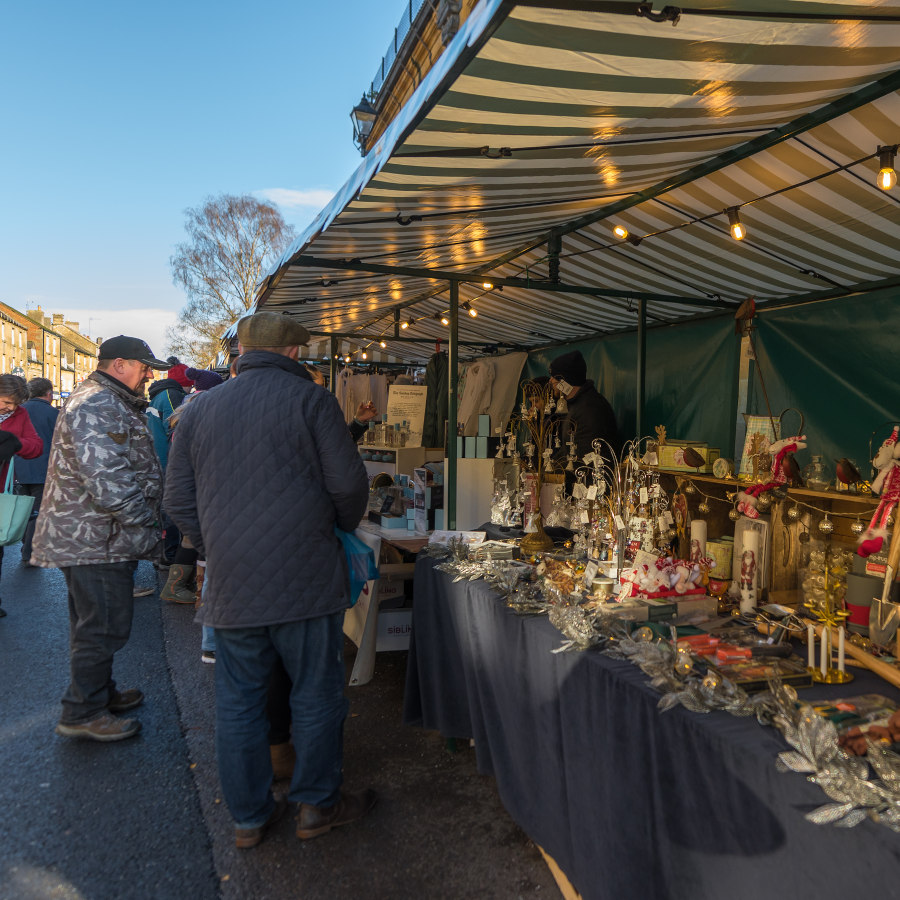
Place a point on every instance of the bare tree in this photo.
(233, 241)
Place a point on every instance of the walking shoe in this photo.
(315, 820)
(208, 656)
(177, 587)
(122, 701)
(245, 838)
(143, 591)
(104, 728)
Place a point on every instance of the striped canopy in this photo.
(543, 125)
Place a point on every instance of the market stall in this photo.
(702, 203)
(629, 801)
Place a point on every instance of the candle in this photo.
(749, 570)
(841, 649)
(826, 653)
(698, 539)
(810, 646)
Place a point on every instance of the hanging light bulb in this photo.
(382, 344)
(347, 358)
(621, 232)
(738, 232)
(487, 285)
(473, 312)
(365, 355)
(887, 177)
(406, 324)
(444, 319)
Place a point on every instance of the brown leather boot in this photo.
(283, 759)
(315, 820)
(199, 575)
(176, 588)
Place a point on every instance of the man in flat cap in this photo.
(260, 473)
(99, 516)
(589, 414)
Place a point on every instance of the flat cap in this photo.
(270, 329)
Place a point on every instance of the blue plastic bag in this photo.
(361, 562)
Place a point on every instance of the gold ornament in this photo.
(689, 488)
(703, 507)
(733, 514)
(794, 513)
(857, 527)
(764, 501)
(826, 526)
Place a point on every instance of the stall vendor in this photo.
(588, 411)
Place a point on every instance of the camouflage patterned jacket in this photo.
(104, 485)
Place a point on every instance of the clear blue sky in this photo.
(116, 117)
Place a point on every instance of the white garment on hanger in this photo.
(476, 398)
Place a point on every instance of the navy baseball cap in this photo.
(123, 347)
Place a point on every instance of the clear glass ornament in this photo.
(816, 475)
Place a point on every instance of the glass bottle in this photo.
(816, 475)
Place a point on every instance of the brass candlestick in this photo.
(537, 418)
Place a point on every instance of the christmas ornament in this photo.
(857, 527)
(734, 515)
(826, 526)
(703, 508)
(794, 513)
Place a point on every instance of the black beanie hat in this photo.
(570, 367)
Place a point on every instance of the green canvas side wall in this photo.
(837, 362)
(691, 378)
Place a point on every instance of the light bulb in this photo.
(404, 324)
(473, 312)
(445, 320)
(365, 355)
(347, 359)
(887, 177)
(487, 285)
(738, 232)
(620, 231)
(382, 344)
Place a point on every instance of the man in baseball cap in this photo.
(99, 516)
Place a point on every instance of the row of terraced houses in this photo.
(34, 344)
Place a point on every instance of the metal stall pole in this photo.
(332, 366)
(641, 367)
(452, 385)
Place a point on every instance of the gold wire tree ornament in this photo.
(542, 430)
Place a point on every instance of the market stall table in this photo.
(630, 802)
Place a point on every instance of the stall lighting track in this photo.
(358, 265)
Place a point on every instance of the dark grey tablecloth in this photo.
(629, 801)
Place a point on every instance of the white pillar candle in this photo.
(841, 649)
(810, 646)
(749, 569)
(698, 539)
(825, 653)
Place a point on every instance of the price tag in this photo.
(663, 523)
(620, 523)
(624, 591)
(590, 457)
(584, 517)
(578, 491)
(592, 492)
(645, 496)
(670, 519)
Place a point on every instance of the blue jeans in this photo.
(312, 652)
(101, 607)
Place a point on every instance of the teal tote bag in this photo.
(14, 511)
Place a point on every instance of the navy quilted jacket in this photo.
(260, 471)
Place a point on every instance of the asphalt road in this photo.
(144, 818)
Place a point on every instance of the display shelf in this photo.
(403, 461)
